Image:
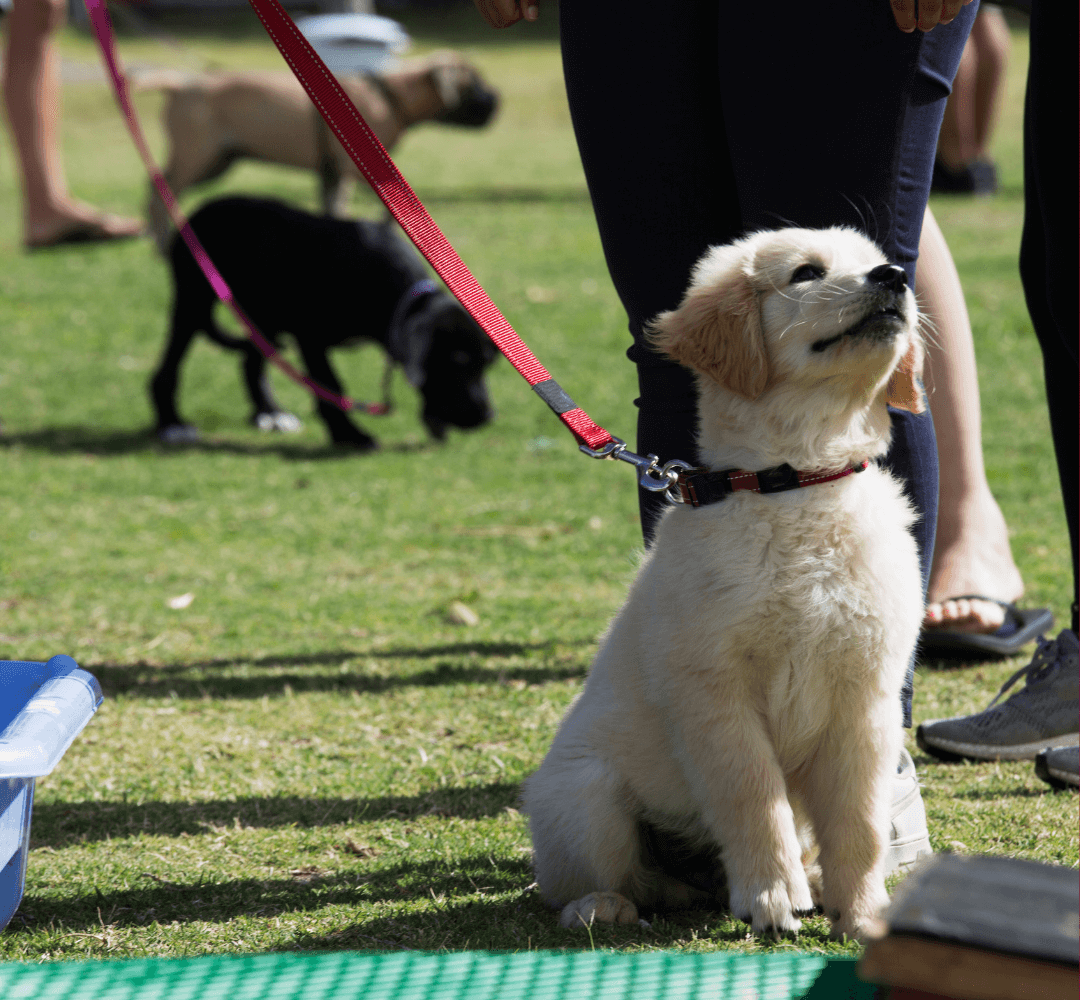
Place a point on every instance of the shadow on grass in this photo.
(990, 794)
(61, 824)
(198, 681)
(459, 913)
(524, 921)
(84, 440)
(213, 678)
(472, 648)
(163, 901)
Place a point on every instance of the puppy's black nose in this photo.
(891, 276)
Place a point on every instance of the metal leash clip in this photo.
(651, 476)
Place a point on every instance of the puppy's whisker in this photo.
(791, 326)
(836, 289)
(929, 331)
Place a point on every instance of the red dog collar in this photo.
(699, 488)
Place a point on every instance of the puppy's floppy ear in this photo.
(717, 332)
(904, 388)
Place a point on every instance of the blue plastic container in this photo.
(43, 707)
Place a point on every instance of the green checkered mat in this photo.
(537, 975)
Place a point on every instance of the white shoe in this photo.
(909, 838)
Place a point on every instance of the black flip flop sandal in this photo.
(90, 231)
(1020, 627)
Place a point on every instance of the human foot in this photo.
(971, 556)
(79, 223)
(964, 614)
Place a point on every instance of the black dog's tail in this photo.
(226, 340)
(194, 297)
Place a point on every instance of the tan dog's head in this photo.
(796, 334)
(466, 98)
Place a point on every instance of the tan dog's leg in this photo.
(848, 797)
(196, 154)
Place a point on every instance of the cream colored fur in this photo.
(748, 692)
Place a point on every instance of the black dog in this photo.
(327, 282)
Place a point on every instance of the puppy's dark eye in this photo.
(808, 272)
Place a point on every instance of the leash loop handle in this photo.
(651, 475)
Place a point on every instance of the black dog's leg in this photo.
(266, 414)
(342, 429)
(258, 383)
(163, 386)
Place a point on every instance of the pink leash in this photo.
(99, 18)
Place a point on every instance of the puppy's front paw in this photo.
(861, 929)
(772, 906)
(862, 921)
(600, 908)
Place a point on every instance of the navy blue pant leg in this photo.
(1048, 252)
(700, 122)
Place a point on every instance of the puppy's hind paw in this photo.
(600, 908)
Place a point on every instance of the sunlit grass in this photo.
(311, 753)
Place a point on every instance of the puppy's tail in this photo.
(226, 340)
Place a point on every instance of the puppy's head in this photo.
(447, 357)
(818, 310)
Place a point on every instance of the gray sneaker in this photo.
(1043, 713)
(910, 838)
(1059, 767)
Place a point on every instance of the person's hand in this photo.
(503, 13)
(930, 12)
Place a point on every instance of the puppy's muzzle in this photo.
(885, 316)
(889, 276)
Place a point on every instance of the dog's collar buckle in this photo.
(651, 475)
(699, 488)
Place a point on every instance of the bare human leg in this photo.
(972, 553)
(991, 34)
(32, 98)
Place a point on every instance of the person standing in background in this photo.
(51, 216)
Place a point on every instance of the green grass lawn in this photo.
(312, 754)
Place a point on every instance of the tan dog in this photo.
(745, 703)
(213, 119)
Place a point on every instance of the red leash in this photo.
(388, 183)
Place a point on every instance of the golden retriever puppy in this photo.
(745, 703)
